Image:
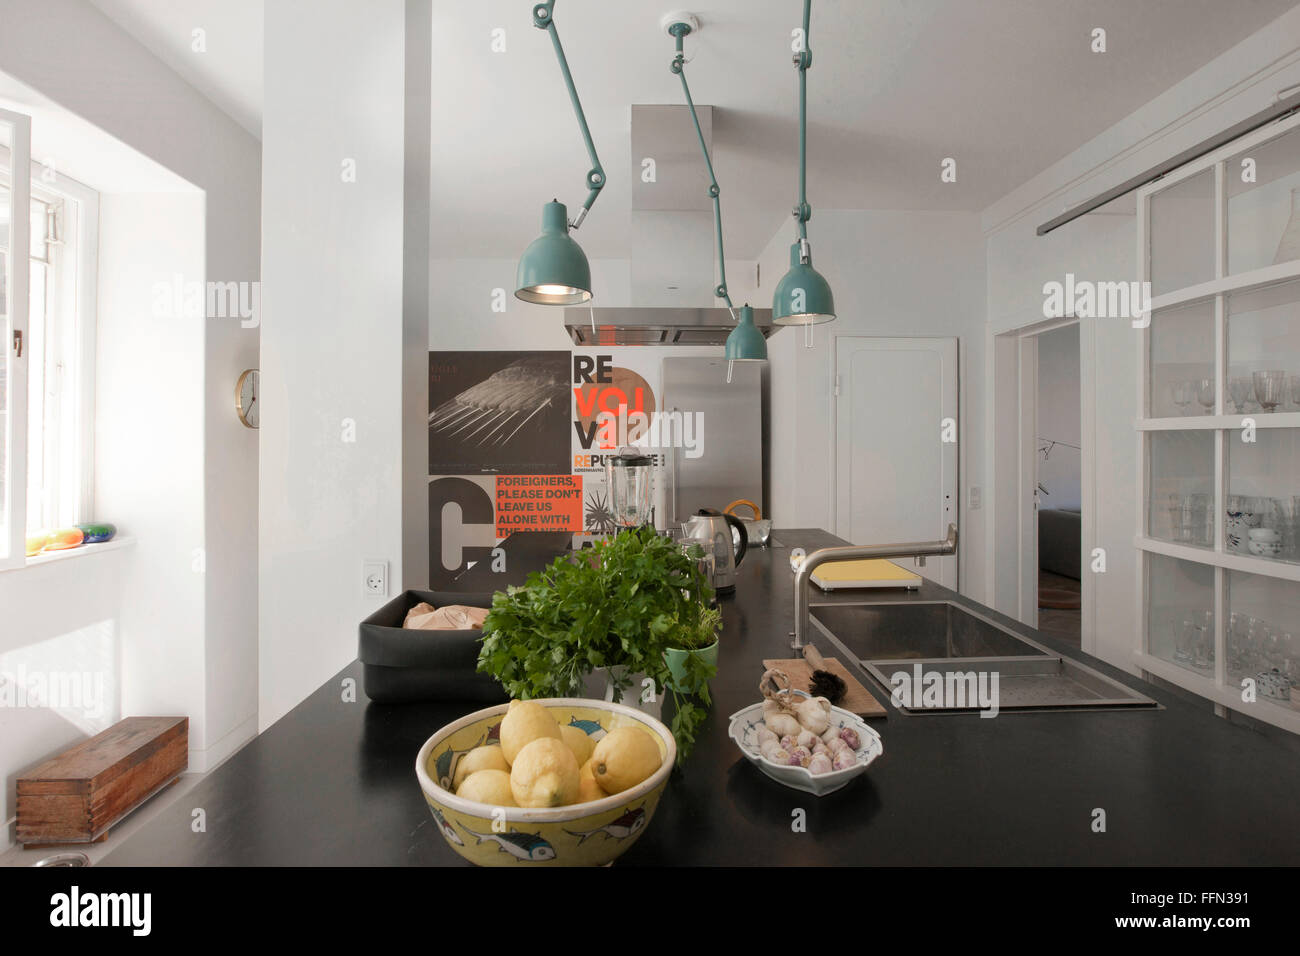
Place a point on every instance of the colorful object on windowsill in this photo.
(64, 539)
(36, 543)
(97, 532)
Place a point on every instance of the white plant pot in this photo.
(642, 694)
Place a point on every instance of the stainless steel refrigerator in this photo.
(726, 455)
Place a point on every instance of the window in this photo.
(47, 315)
(60, 360)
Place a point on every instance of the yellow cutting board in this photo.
(837, 575)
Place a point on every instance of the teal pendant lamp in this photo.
(803, 296)
(746, 342)
(553, 269)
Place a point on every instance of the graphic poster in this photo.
(498, 413)
(518, 442)
(613, 405)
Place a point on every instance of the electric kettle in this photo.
(710, 526)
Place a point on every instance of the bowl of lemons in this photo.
(555, 782)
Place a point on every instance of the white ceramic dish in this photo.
(744, 731)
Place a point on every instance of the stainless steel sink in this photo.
(939, 657)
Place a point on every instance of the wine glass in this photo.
(1183, 394)
(1269, 388)
(1205, 393)
(1239, 390)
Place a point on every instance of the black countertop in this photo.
(332, 782)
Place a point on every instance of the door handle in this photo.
(18, 342)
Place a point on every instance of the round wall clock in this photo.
(246, 398)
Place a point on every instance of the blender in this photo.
(630, 477)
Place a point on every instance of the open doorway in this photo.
(1057, 481)
(1042, 516)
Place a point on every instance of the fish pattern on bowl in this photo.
(744, 731)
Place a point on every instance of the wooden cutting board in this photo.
(857, 699)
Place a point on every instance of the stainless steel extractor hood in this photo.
(657, 326)
(672, 262)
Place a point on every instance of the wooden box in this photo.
(76, 796)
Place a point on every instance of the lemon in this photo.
(544, 774)
(578, 742)
(480, 758)
(589, 790)
(623, 758)
(488, 786)
(524, 722)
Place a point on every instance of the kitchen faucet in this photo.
(855, 552)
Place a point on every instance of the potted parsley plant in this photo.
(626, 604)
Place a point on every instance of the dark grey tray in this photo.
(401, 665)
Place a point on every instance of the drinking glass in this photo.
(1237, 641)
(1185, 637)
(1205, 393)
(1257, 645)
(1269, 387)
(1203, 639)
(1240, 390)
(1183, 394)
(1295, 390)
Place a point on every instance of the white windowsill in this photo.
(50, 557)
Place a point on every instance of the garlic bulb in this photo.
(820, 763)
(814, 714)
(782, 724)
(850, 737)
(764, 735)
(845, 759)
(800, 756)
(808, 739)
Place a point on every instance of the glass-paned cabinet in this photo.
(1219, 432)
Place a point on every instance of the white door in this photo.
(896, 429)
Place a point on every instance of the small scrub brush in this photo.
(824, 683)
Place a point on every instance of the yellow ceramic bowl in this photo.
(584, 834)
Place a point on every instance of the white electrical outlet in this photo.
(975, 499)
(374, 577)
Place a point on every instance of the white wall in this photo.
(893, 273)
(1058, 416)
(332, 332)
(149, 453)
(1102, 246)
(62, 616)
(114, 84)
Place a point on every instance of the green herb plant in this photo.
(619, 604)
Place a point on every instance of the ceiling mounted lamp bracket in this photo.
(803, 296)
(745, 343)
(679, 26)
(554, 270)
(544, 19)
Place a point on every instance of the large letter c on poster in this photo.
(476, 508)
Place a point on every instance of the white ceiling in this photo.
(1006, 87)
